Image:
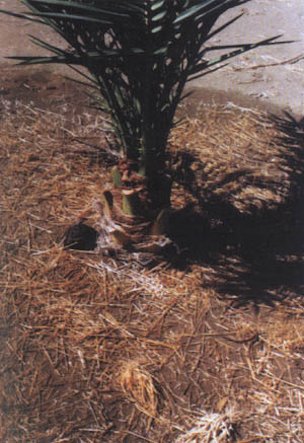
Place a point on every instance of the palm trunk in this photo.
(142, 195)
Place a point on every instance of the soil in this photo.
(270, 76)
(94, 349)
(103, 349)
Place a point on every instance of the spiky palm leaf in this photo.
(140, 54)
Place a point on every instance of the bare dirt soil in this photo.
(97, 349)
(273, 75)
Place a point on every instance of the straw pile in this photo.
(99, 351)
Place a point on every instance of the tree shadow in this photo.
(252, 258)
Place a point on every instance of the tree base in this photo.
(131, 233)
(123, 237)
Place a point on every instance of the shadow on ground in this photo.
(255, 258)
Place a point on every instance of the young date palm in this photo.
(139, 55)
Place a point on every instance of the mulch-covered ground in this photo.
(95, 349)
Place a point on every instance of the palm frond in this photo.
(140, 54)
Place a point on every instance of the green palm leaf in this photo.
(140, 54)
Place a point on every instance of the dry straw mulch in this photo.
(96, 350)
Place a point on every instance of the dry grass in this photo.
(138, 387)
(99, 350)
(211, 427)
(238, 155)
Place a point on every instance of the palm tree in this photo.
(139, 55)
